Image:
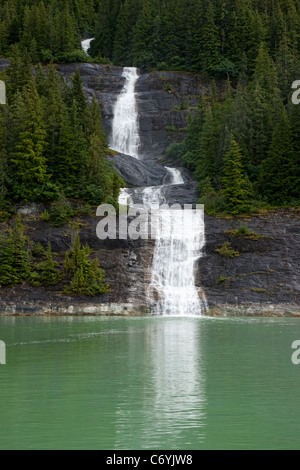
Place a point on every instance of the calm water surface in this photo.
(149, 383)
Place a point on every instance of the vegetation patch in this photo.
(227, 251)
(271, 271)
(169, 89)
(23, 262)
(52, 142)
(260, 290)
(86, 276)
(245, 232)
(223, 279)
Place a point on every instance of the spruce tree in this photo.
(236, 185)
(15, 257)
(87, 278)
(49, 275)
(209, 54)
(278, 175)
(19, 73)
(193, 135)
(123, 37)
(28, 159)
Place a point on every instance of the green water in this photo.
(149, 383)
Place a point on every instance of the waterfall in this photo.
(125, 132)
(176, 175)
(180, 237)
(179, 233)
(85, 44)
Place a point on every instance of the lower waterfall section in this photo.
(180, 237)
(179, 232)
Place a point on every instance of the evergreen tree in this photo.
(143, 54)
(105, 29)
(15, 260)
(121, 51)
(3, 161)
(208, 151)
(236, 185)
(29, 160)
(209, 54)
(193, 135)
(87, 276)
(279, 175)
(193, 40)
(49, 274)
(19, 73)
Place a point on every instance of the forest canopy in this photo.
(52, 142)
(212, 37)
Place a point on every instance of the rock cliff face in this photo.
(164, 101)
(163, 98)
(262, 279)
(265, 274)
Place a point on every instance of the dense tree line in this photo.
(46, 29)
(51, 141)
(244, 146)
(23, 261)
(216, 37)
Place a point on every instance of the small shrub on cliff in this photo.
(45, 216)
(245, 232)
(227, 251)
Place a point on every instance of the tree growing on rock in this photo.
(236, 185)
(87, 278)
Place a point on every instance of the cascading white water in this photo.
(176, 175)
(125, 198)
(85, 44)
(179, 233)
(180, 237)
(125, 130)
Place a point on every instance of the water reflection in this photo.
(170, 412)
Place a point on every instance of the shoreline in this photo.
(133, 310)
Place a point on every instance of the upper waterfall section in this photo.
(125, 136)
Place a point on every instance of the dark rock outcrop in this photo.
(267, 270)
(164, 100)
(138, 172)
(4, 64)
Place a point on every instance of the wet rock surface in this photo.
(266, 271)
(138, 172)
(164, 101)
